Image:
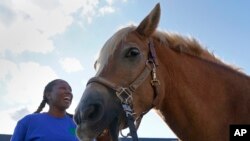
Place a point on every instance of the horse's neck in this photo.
(199, 93)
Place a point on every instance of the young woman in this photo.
(54, 125)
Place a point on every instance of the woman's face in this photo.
(61, 95)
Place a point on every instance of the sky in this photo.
(41, 40)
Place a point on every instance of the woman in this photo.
(54, 125)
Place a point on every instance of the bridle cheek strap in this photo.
(125, 96)
(125, 93)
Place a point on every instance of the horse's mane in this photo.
(176, 42)
(190, 46)
(187, 45)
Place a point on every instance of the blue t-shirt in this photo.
(44, 127)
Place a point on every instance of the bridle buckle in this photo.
(155, 82)
(125, 95)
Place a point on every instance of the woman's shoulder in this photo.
(33, 116)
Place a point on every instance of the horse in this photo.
(195, 93)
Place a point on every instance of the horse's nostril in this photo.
(92, 112)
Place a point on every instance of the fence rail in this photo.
(4, 137)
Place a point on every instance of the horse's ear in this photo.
(150, 23)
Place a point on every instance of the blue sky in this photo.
(41, 40)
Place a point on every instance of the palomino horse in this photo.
(195, 93)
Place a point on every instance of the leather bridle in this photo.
(125, 93)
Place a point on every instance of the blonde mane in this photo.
(186, 45)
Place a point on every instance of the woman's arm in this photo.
(20, 131)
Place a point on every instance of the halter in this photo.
(125, 93)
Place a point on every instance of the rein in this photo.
(125, 93)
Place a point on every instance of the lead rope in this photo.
(132, 123)
(130, 119)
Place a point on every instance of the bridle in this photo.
(125, 93)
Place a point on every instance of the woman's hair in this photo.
(48, 88)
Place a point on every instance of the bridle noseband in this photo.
(125, 93)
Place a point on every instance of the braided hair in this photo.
(48, 88)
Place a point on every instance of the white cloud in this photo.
(110, 2)
(28, 25)
(23, 86)
(86, 8)
(19, 113)
(6, 122)
(26, 82)
(31, 28)
(6, 13)
(106, 10)
(47, 4)
(7, 68)
(48, 21)
(71, 65)
(22, 36)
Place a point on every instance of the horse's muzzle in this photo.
(90, 113)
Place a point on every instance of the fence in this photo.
(4, 137)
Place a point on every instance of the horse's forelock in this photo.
(110, 46)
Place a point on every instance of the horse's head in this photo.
(124, 75)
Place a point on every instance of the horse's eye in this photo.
(133, 52)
